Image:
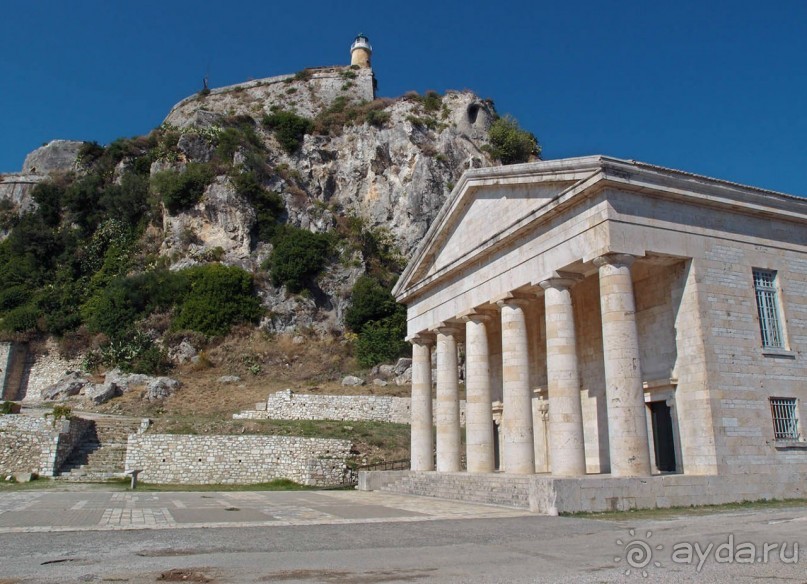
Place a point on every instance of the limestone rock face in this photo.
(161, 388)
(392, 169)
(222, 219)
(58, 155)
(69, 385)
(101, 392)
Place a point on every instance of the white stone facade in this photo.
(624, 298)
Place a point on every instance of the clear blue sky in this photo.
(713, 87)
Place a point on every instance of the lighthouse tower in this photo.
(360, 51)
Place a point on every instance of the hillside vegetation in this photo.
(271, 221)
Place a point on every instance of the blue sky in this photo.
(713, 87)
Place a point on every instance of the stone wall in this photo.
(287, 405)
(183, 459)
(306, 94)
(37, 445)
(44, 367)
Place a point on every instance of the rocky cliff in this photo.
(388, 162)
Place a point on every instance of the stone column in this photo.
(566, 441)
(478, 404)
(447, 416)
(519, 446)
(422, 445)
(627, 425)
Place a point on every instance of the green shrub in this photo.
(13, 296)
(21, 319)
(48, 197)
(289, 129)
(128, 201)
(60, 412)
(432, 101)
(269, 207)
(297, 258)
(8, 407)
(377, 118)
(219, 297)
(369, 301)
(180, 191)
(509, 143)
(383, 340)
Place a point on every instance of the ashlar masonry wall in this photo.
(183, 459)
(287, 405)
(37, 445)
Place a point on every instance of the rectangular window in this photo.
(785, 420)
(770, 324)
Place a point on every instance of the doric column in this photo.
(422, 427)
(519, 447)
(566, 441)
(627, 425)
(478, 404)
(447, 416)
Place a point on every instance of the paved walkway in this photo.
(38, 511)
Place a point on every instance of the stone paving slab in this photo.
(98, 510)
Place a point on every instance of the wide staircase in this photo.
(490, 489)
(101, 454)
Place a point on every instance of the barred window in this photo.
(785, 420)
(770, 324)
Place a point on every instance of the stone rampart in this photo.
(287, 405)
(183, 459)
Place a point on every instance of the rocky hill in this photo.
(231, 176)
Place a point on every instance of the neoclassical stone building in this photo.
(620, 322)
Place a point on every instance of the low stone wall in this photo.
(184, 459)
(287, 405)
(593, 493)
(37, 445)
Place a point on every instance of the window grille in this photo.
(785, 420)
(768, 308)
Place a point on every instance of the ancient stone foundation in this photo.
(182, 459)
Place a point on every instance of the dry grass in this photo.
(266, 364)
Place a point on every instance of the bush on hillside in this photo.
(219, 297)
(509, 143)
(180, 191)
(297, 258)
(288, 128)
(383, 340)
(369, 301)
(269, 207)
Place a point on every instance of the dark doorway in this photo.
(663, 440)
(495, 446)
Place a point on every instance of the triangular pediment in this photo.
(486, 207)
(487, 215)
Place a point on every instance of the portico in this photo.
(580, 297)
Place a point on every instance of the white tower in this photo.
(361, 51)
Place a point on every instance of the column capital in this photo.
(615, 259)
(423, 338)
(451, 329)
(478, 315)
(511, 300)
(561, 280)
